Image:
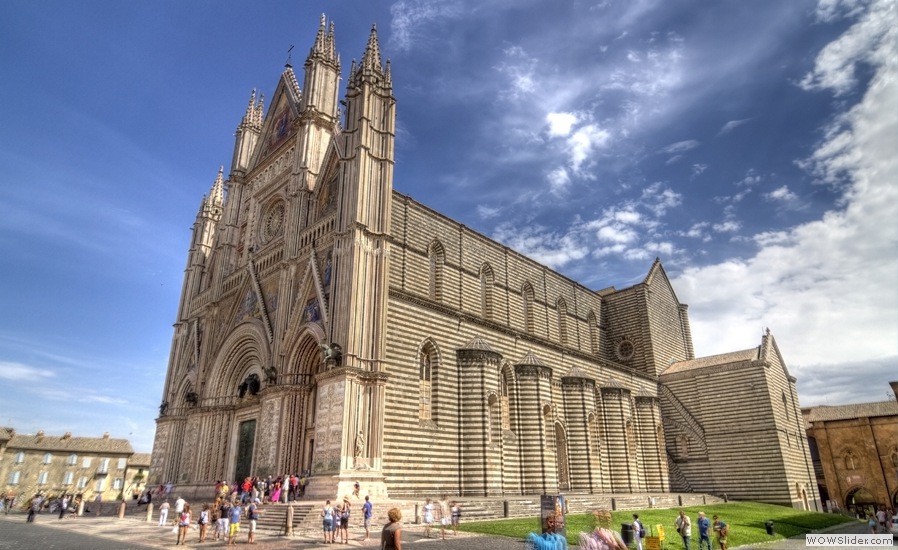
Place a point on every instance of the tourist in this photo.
(638, 531)
(63, 505)
(179, 505)
(344, 521)
(253, 514)
(684, 528)
(276, 491)
(221, 527)
(455, 510)
(204, 522)
(327, 516)
(391, 536)
(233, 522)
(704, 528)
(881, 519)
(183, 524)
(443, 511)
(722, 530)
(367, 510)
(163, 513)
(35, 507)
(428, 517)
(602, 537)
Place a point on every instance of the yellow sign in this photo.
(660, 530)
(651, 543)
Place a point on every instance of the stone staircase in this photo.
(688, 422)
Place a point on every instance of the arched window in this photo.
(785, 405)
(561, 309)
(505, 380)
(683, 446)
(437, 258)
(527, 296)
(426, 360)
(593, 333)
(487, 280)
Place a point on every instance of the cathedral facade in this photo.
(329, 324)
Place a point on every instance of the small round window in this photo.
(625, 350)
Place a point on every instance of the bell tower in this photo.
(361, 271)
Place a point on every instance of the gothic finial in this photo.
(216, 194)
(289, 56)
(260, 110)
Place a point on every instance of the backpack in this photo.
(345, 514)
(640, 529)
(724, 531)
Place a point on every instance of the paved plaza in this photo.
(111, 533)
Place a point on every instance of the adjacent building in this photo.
(855, 453)
(56, 464)
(329, 324)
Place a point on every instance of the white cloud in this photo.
(731, 125)
(585, 141)
(825, 288)
(729, 226)
(17, 371)
(698, 169)
(781, 194)
(560, 124)
(412, 17)
(679, 147)
(834, 68)
(558, 180)
(520, 70)
(543, 245)
(487, 212)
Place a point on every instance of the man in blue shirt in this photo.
(366, 512)
(234, 526)
(704, 528)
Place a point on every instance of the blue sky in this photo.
(749, 145)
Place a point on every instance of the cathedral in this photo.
(331, 325)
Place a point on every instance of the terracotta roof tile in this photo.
(70, 444)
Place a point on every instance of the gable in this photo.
(277, 128)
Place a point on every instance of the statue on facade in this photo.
(359, 445)
(333, 353)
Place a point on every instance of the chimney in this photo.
(106, 435)
(40, 433)
(67, 435)
(894, 388)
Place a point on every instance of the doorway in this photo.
(246, 438)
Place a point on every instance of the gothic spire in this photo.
(324, 48)
(252, 116)
(371, 57)
(216, 194)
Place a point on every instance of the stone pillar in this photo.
(480, 419)
(578, 392)
(617, 421)
(651, 445)
(534, 385)
(149, 512)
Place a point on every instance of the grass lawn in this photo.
(746, 521)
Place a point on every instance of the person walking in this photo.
(253, 513)
(204, 522)
(428, 517)
(63, 506)
(233, 522)
(163, 513)
(183, 524)
(684, 528)
(455, 511)
(704, 530)
(327, 522)
(723, 531)
(367, 512)
(391, 536)
(638, 531)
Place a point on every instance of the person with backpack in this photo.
(327, 516)
(344, 521)
(253, 514)
(684, 528)
(704, 530)
(638, 531)
(722, 530)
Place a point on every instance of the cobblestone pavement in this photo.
(111, 533)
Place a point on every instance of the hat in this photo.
(257, 501)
